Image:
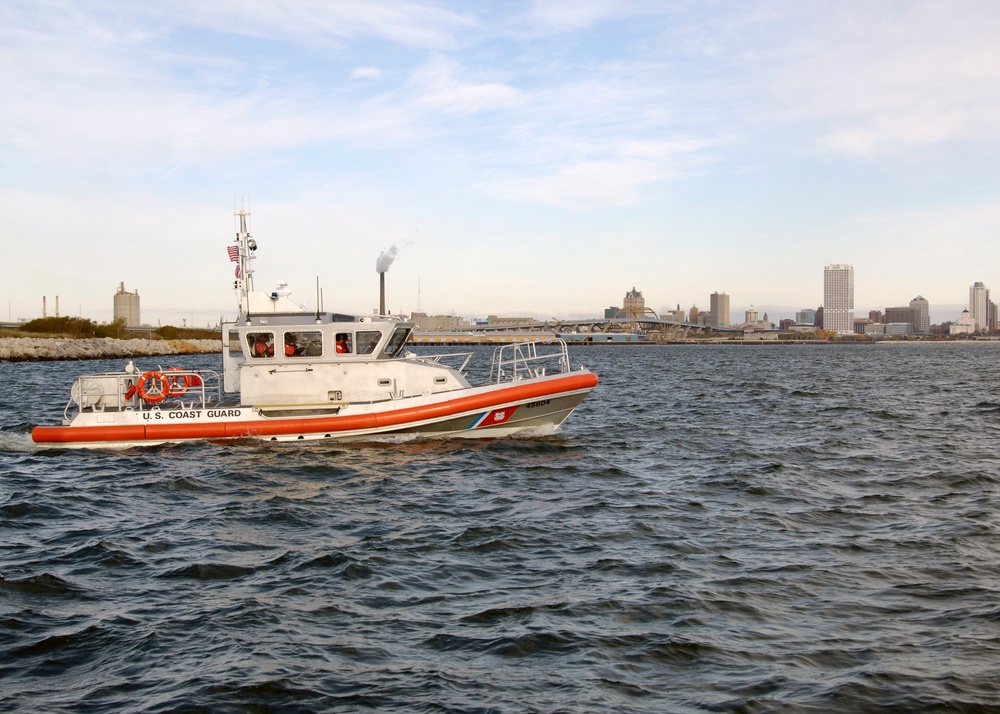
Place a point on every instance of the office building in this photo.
(719, 307)
(921, 314)
(979, 306)
(899, 314)
(838, 299)
(805, 317)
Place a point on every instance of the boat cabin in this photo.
(298, 359)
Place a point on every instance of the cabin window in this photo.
(303, 343)
(396, 342)
(260, 344)
(343, 343)
(235, 349)
(368, 341)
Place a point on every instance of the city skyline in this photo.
(527, 158)
(924, 314)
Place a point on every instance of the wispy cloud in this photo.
(569, 15)
(891, 78)
(321, 23)
(438, 87)
(765, 116)
(366, 73)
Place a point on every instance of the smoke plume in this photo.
(385, 260)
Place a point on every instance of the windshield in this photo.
(396, 342)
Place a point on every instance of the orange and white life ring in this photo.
(153, 387)
(179, 383)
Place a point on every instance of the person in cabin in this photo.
(291, 346)
(342, 347)
(262, 346)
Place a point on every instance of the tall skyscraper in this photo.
(720, 309)
(921, 314)
(838, 298)
(979, 305)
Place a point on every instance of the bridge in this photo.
(648, 327)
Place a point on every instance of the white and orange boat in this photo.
(289, 374)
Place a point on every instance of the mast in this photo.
(245, 246)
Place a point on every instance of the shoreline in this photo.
(44, 349)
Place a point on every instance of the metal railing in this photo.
(465, 357)
(120, 390)
(524, 360)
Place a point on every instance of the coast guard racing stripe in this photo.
(492, 418)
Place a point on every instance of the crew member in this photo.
(262, 347)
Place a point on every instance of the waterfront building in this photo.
(805, 317)
(497, 321)
(838, 299)
(965, 325)
(979, 305)
(875, 316)
(719, 309)
(434, 323)
(898, 328)
(126, 306)
(921, 314)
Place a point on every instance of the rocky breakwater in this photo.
(35, 349)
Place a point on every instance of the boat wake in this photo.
(17, 440)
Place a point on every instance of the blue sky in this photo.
(524, 158)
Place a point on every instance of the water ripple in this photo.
(717, 529)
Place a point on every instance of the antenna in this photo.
(242, 255)
(318, 299)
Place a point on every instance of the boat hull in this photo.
(496, 410)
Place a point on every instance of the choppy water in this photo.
(729, 529)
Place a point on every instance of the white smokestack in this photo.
(385, 260)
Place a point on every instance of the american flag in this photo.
(237, 271)
(234, 253)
